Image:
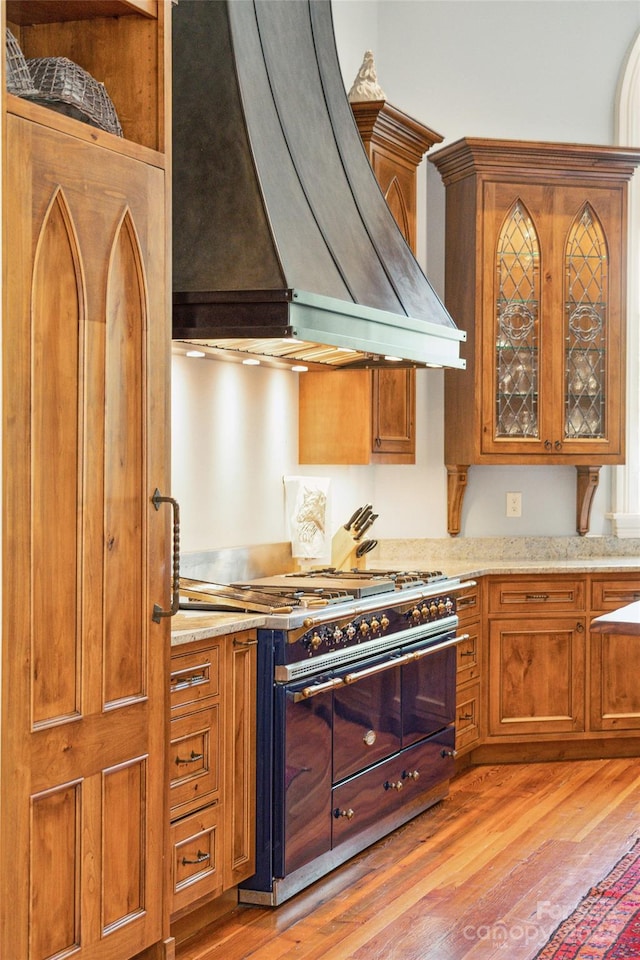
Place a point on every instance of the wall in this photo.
(461, 68)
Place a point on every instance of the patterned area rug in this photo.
(606, 924)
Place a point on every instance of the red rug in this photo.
(606, 924)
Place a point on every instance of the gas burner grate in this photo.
(412, 578)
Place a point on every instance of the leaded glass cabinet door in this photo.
(517, 334)
(552, 382)
(586, 303)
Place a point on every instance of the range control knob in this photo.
(364, 628)
(314, 641)
(337, 635)
(375, 624)
(424, 612)
(449, 606)
(350, 631)
(433, 609)
(384, 621)
(415, 614)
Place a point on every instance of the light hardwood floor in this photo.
(487, 873)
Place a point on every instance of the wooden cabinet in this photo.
(536, 639)
(536, 275)
(212, 764)
(364, 416)
(85, 413)
(614, 696)
(469, 670)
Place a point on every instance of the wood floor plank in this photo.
(486, 874)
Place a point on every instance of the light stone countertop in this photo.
(479, 568)
(190, 625)
(466, 558)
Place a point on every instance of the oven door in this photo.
(302, 772)
(428, 688)
(332, 727)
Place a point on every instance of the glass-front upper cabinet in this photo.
(535, 273)
(551, 327)
(585, 328)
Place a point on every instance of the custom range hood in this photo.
(284, 246)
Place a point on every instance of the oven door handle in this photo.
(425, 651)
(307, 692)
(404, 658)
(379, 668)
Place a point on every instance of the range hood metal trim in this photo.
(318, 319)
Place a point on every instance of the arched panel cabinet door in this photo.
(562, 320)
(85, 550)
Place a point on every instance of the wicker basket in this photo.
(64, 86)
(19, 80)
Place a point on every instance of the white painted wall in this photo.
(525, 69)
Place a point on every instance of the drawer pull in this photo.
(536, 596)
(411, 774)
(467, 653)
(178, 682)
(465, 602)
(244, 643)
(347, 814)
(192, 759)
(200, 858)
(465, 716)
(448, 753)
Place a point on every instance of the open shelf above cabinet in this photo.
(120, 43)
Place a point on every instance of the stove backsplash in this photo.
(234, 564)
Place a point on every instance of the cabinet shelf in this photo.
(120, 43)
(29, 12)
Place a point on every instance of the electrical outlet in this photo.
(514, 504)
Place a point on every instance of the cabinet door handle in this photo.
(536, 596)
(200, 858)
(244, 643)
(558, 444)
(579, 627)
(192, 759)
(158, 612)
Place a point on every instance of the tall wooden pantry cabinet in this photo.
(85, 344)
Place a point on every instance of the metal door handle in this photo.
(158, 612)
(192, 759)
(200, 858)
(317, 688)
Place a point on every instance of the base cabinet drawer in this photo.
(196, 846)
(195, 676)
(536, 595)
(467, 715)
(195, 760)
(608, 593)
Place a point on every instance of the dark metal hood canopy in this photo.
(283, 243)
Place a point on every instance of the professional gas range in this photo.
(355, 713)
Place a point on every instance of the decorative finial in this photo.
(366, 86)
